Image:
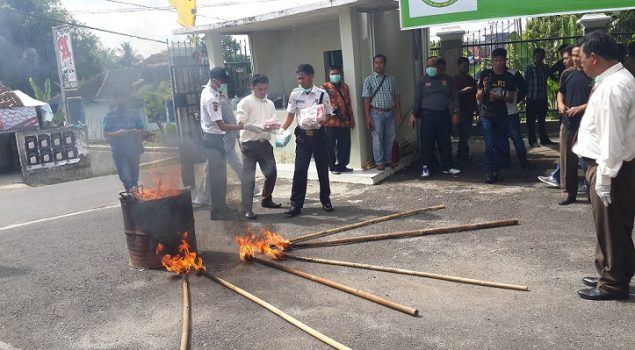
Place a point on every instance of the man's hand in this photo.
(456, 119)
(369, 124)
(573, 111)
(412, 120)
(398, 118)
(604, 192)
(352, 123)
(562, 109)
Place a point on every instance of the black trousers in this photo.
(339, 147)
(537, 111)
(308, 146)
(261, 153)
(436, 127)
(214, 146)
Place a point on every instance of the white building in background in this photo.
(343, 32)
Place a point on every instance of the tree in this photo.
(126, 56)
(154, 99)
(28, 50)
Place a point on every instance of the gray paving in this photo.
(65, 283)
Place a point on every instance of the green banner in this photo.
(425, 13)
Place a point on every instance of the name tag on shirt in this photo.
(444, 83)
(428, 84)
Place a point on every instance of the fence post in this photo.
(594, 21)
(451, 47)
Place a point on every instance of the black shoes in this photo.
(270, 204)
(493, 177)
(548, 142)
(600, 294)
(249, 215)
(346, 170)
(328, 207)
(293, 211)
(567, 201)
(590, 281)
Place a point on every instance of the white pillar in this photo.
(451, 47)
(361, 150)
(595, 21)
(214, 49)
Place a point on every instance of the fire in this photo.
(164, 185)
(159, 249)
(184, 261)
(267, 242)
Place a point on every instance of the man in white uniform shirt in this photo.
(309, 142)
(254, 111)
(606, 139)
(214, 143)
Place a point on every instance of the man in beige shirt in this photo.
(606, 140)
(257, 114)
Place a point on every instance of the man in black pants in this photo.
(310, 141)
(255, 113)
(434, 94)
(536, 75)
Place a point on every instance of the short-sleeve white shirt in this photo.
(211, 111)
(300, 99)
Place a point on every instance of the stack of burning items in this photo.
(159, 227)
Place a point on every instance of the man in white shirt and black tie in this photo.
(606, 139)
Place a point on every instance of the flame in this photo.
(163, 186)
(267, 242)
(184, 261)
(159, 248)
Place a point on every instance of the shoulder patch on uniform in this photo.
(215, 104)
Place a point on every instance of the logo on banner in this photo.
(66, 66)
(420, 8)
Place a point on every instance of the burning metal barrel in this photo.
(150, 223)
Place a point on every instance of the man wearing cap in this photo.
(310, 141)
(214, 130)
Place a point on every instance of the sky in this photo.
(159, 24)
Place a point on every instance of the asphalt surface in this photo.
(65, 282)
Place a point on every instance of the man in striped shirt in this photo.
(382, 108)
(536, 75)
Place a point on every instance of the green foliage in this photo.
(28, 48)
(154, 99)
(42, 94)
(126, 56)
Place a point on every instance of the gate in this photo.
(189, 72)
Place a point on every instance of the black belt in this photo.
(312, 132)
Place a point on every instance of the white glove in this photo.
(255, 129)
(604, 192)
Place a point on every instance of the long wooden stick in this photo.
(408, 272)
(360, 293)
(364, 223)
(407, 234)
(185, 333)
(276, 311)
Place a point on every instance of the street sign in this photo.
(65, 60)
(426, 13)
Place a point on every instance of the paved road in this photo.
(65, 283)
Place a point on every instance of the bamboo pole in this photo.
(407, 234)
(409, 272)
(185, 333)
(276, 311)
(364, 223)
(360, 293)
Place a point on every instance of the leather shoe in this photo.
(250, 215)
(590, 281)
(328, 207)
(600, 294)
(567, 201)
(293, 211)
(270, 204)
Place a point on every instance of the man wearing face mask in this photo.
(606, 140)
(214, 129)
(338, 127)
(434, 94)
(310, 141)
